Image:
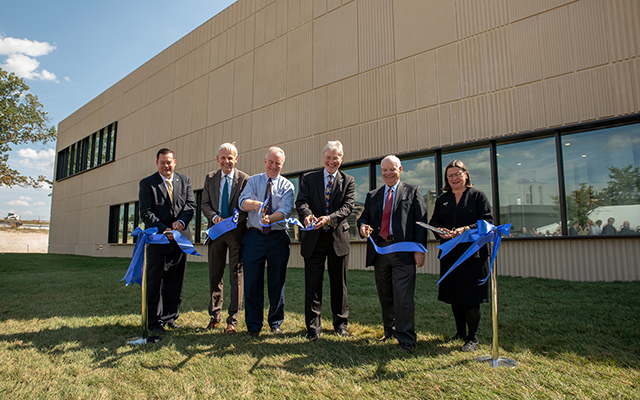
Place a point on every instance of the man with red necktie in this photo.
(389, 216)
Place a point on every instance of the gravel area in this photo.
(24, 240)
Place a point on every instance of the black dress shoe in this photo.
(470, 346)
(407, 347)
(313, 336)
(276, 329)
(254, 334)
(173, 325)
(342, 332)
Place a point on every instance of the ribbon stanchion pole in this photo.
(494, 359)
(145, 338)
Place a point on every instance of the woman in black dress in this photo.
(456, 211)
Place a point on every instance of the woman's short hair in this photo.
(455, 164)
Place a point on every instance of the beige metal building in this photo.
(541, 100)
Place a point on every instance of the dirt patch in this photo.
(24, 240)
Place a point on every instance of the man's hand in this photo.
(322, 221)
(418, 257)
(308, 220)
(177, 226)
(169, 233)
(217, 219)
(365, 230)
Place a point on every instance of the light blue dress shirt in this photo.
(281, 198)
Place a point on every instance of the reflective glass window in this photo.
(528, 187)
(602, 181)
(361, 176)
(478, 163)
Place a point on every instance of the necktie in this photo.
(267, 209)
(327, 196)
(386, 215)
(170, 189)
(224, 209)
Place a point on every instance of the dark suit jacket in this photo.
(311, 200)
(409, 207)
(211, 199)
(157, 210)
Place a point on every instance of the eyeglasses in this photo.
(458, 174)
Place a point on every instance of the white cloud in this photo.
(39, 203)
(17, 203)
(25, 198)
(42, 159)
(21, 60)
(66, 78)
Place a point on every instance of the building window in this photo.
(602, 181)
(528, 182)
(361, 176)
(90, 152)
(478, 163)
(123, 220)
(294, 230)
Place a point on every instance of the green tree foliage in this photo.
(22, 120)
(623, 186)
(580, 203)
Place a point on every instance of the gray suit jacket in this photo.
(211, 199)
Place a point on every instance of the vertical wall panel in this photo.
(377, 94)
(623, 30)
(447, 72)
(350, 101)
(299, 61)
(426, 80)
(555, 44)
(375, 33)
(405, 85)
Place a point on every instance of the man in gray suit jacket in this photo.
(389, 216)
(326, 197)
(219, 197)
(167, 203)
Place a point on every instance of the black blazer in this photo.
(409, 207)
(311, 200)
(211, 199)
(157, 210)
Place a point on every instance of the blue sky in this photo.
(71, 51)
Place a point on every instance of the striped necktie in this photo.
(170, 189)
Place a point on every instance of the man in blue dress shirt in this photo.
(266, 244)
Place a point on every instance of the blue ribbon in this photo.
(485, 233)
(291, 220)
(151, 236)
(398, 247)
(224, 226)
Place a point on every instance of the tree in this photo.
(580, 203)
(623, 186)
(22, 120)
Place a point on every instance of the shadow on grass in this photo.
(596, 321)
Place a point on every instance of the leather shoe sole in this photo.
(276, 329)
(173, 325)
(407, 348)
(212, 325)
(384, 339)
(231, 329)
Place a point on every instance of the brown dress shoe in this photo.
(231, 329)
(212, 325)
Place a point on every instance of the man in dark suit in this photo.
(389, 216)
(167, 203)
(326, 197)
(220, 195)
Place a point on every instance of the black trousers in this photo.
(165, 283)
(396, 284)
(337, 267)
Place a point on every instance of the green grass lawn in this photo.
(64, 321)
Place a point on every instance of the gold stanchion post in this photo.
(145, 315)
(494, 359)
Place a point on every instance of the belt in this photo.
(388, 240)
